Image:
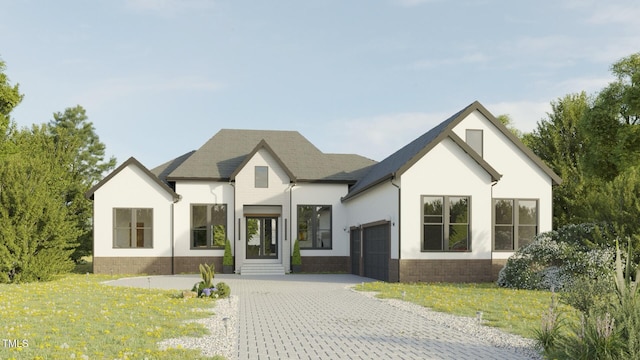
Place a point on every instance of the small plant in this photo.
(207, 274)
(227, 260)
(296, 259)
(549, 333)
(223, 290)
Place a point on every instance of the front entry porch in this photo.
(263, 248)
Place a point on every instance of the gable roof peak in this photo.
(132, 161)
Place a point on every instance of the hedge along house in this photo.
(451, 205)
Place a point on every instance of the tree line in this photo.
(593, 143)
(45, 170)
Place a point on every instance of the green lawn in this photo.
(78, 317)
(514, 311)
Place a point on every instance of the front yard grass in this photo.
(78, 317)
(515, 311)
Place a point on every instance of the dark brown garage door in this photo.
(376, 251)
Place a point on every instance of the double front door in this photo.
(262, 237)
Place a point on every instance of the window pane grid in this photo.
(132, 228)
(515, 223)
(208, 226)
(445, 228)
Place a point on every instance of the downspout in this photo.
(173, 237)
(291, 240)
(235, 230)
(398, 222)
(493, 183)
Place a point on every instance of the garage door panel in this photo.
(376, 251)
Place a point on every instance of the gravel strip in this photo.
(224, 340)
(467, 325)
(221, 340)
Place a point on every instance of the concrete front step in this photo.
(262, 269)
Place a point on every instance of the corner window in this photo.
(132, 228)
(208, 226)
(445, 223)
(474, 139)
(314, 226)
(262, 177)
(515, 223)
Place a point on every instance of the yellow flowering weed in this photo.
(78, 317)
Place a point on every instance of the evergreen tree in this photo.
(10, 97)
(37, 235)
(75, 137)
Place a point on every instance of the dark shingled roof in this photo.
(387, 168)
(404, 158)
(221, 156)
(161, 171)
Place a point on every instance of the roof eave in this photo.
(132, 161)
(359, 192)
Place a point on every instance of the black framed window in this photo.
(314, 226)
(515, 223)
(445, 223)
(132, 228)
(208, 226)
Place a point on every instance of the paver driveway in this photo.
(319, 317)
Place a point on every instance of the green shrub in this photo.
(223, 290)
(296, 259)
(228, 258)
(556, 258)
(610, 317)
(585, 293)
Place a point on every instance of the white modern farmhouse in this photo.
(452, 205)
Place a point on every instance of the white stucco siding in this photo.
(323, 194)
(276, 194)
(377, 204)
(131, 188)
(446, 171)
(200, 192)
(521, 178)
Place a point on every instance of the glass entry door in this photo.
(262, 237)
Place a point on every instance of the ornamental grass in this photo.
(77, 316)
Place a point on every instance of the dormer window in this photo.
(262, 177)
(474, 139)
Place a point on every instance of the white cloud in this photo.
(589, 85)
(379, 136)
(118, 88)
(525, 114)
(616, 14)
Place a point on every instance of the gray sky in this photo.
(160, 77)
